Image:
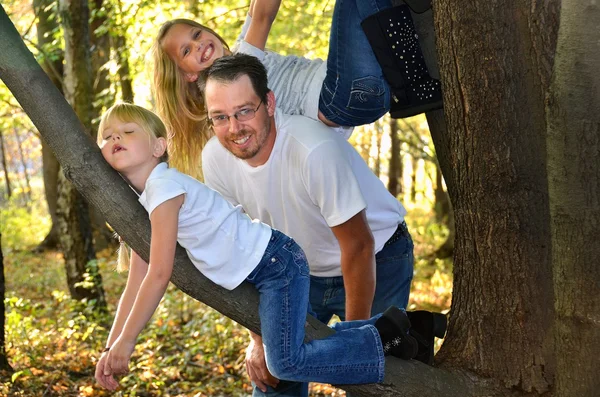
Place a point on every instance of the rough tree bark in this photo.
(52, 64)
(574, 185)
(73, 213)
(495, 65)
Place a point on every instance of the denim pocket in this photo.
(298, 257)
(367, 93)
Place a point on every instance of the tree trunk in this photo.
(73, 213)
(4, 166)
(124, 70)
(395, 171)
(46, 25)
(413, 179)
(574, 186)
(495, 63)
(378, 130)
(27, 189)
(4, 365)
(51, 169)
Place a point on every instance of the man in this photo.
(300, 177)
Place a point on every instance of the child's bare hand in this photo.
(104, 377)
(118, 357)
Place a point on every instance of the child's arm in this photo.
(263, 13)
(137, 271)
(164, 222)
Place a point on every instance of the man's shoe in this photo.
(425, 326)
(393, 327)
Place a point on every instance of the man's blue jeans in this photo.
(353, 355)
(327, 297)
(354, 91)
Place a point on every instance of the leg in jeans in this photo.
(354, 91)
(394, 273)
(395, 266)
(351, 356)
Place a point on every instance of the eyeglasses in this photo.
(222, 120)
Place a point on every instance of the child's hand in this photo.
(118, 357)
(106, 380)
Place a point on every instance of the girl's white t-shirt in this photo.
(220, 240)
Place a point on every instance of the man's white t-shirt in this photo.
(220, 240)
(312, 181)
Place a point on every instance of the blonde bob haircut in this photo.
(180, 104)
(129, 113)
(152, 125)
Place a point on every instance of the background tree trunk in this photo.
(396, 169)
(413, 178)
(4, 365)
(27, 189)
(495, 63)
(73, 214)
(52, 63)
(574, 186)
(4, 166)
(124, 71)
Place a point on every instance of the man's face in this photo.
(251, 140)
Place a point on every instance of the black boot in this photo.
(425, 326)
(393, 327)
(395, 43)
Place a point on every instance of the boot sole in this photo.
(440, 325)
(415, 110)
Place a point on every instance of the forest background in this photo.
(52, 339)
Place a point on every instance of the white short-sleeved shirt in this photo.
(312, 181)
(220, 240)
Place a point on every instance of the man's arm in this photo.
(256, 365)
(358, 265)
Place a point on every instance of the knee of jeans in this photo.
(280, 368)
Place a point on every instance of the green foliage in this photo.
(23, 226)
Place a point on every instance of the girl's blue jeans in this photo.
(354, 91)
(353, 355)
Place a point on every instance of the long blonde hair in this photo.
(180, 104)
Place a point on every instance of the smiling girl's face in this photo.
(193, 49)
